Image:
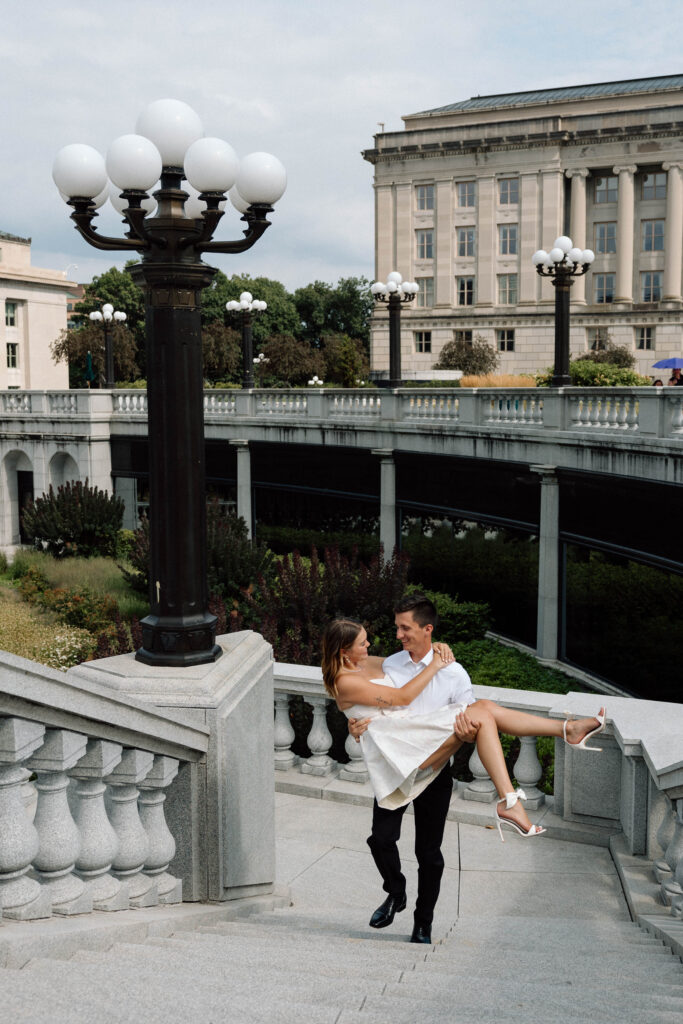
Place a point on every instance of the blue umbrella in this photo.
(673, 363)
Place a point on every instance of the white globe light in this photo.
(79, 170)
(172, 126)
(237, 201)
(262, 305)
(95, 316)
(540, 256)
(574, 255)
(395, 277)
(133, 162)
(549, 263)
(149, 204)
(564, 243)
(211, 165)
(261, 178)
(194, 206)
(246, 297)
(244, 304)
(392, 286)
(107, 309)
(587, 256)
(119, 316)
(556, 254)
(232, 305)
(101, 199)
(377, 288)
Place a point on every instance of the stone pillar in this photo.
(552, 208)
(548, 564)
(319, 741)
(444, 242)
(133, 843)
(405, 236)
(387, 501)
(577, 224)
(385, 248)
(625, 215)
(529, 241)
(284, 734)
(125, 487)
(673, 234)
(244, 504)
(161, 843)
(487, 242)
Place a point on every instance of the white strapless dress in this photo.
(396, 743)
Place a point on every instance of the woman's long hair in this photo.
(339, 634)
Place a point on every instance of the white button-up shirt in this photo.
(450, 685)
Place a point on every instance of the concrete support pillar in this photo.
(244, 504)
(529, 241)
(487, 243)
(673, 234)
(125, 487)
(548, 564)
(577, 224)
(625, 214)
(387, 516)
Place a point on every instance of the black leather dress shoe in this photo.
(421, 934)
(385, 913)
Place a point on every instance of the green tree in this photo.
(77, 520)
(587, 373)
(471, 357)
(73, 345)
(221, 352)
(280, 317)
(288, 361)
(344, 309)
(613, 355)
(346, 362)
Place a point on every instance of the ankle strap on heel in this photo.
(512, 798)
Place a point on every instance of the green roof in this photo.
(570, 92)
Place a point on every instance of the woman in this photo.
(402, 751)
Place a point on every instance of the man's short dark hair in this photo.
(422, 609)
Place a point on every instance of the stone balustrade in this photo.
(629, 794)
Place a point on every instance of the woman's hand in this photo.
(443, 652)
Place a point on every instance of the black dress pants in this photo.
(430, 808)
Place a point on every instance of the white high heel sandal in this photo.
(581, 745)
(510, 801)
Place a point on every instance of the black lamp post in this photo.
(169, 145)
(564, 262)
(246, 307)
(105, 317)
(394, 293)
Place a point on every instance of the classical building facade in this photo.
(466, 193)
(34, 303)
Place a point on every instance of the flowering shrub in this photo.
(25, 632)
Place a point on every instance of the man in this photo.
(415, 618)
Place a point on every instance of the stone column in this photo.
(444, 242)
(405, 236)
(673, 234)
(548, 564)
(161, 842)
(244, 504)
(385, 249)
(625, 214)
(487, 243)
(319, 741)
(529, 241)
(577, 224)
(133, 842)
(387, 501)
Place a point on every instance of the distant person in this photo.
(657, 383)
(673, 381)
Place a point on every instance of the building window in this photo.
(465, 241)
(464, 291)
(507, 239)
(507, 289)
(653, 186)
(606, 237)
(12, 355)
(425, 294)
(598, 338)
(465, 193)
(425, 245)
(645, 337)
(425, 197)
(506, 340)
(423, 341)
(606, 190)
(464, 337)
(10, 314)
(604, 288)
(651, 286)
(508, 191)
(653, 235)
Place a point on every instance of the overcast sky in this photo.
(304, 80)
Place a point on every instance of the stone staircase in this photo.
(287, 966)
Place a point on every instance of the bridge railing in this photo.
(631, 792)
(84, 774)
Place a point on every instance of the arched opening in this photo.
(17, 484)
(63, 468)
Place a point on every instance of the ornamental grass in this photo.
(498, 380)
(34, 635)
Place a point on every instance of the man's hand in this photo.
(357, 727)
(464, 729)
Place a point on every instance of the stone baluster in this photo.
(665, 834)
(58, 836)
(670, 887)
(528, 771)
(99, 844)
(284, 757)
(121, 801)
(319, 741)
(481, 788)
(161, 842)
(355, 770)
(21, 897)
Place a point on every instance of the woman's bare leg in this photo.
(444, 753)
(519, 723)
(491, 754)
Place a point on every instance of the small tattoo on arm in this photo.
(382, 702)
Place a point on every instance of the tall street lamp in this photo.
(564, 262)
(107, 314)
(168, 144)
(246, 307)
(394, 293)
